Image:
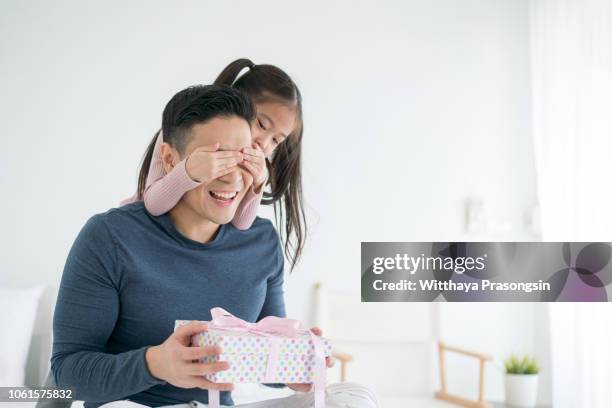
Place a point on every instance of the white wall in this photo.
(411, 107)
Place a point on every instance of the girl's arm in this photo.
(162, 190)
(247, 209)
(255, 162)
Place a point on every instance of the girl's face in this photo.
(274, 123)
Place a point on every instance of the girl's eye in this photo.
(261, 124)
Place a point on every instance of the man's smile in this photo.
(223, 198)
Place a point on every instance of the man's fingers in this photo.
(329, 362)
(184, 333)
(207, 368)
(195, 353)
(317, 331)
(202, 382)
(301, 387)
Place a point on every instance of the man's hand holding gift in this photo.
(329, 362)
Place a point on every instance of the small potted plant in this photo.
(521, 381)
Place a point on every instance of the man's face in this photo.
(218, 199)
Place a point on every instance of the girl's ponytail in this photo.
(268, 83)
(144, 167)
(230, 73)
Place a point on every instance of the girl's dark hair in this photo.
(193, 105)
(267, 83)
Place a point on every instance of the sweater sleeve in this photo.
(274, 305)
(85, 315)
(247, 210)
(162, 190)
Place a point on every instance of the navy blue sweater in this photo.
(129, 276)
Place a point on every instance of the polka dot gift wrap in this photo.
(248, 355)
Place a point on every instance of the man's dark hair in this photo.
(199, 104)
(191, 106)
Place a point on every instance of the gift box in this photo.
(273, 350)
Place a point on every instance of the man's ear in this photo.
(169, 157)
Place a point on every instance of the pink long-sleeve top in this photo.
(163, 191)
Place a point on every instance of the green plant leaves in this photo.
(526, 365)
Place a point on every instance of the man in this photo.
(130, 275)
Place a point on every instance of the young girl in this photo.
(273, 159)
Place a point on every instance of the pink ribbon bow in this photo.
(268, 326)
(271, 326)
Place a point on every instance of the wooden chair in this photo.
(376, 336)
(369, 338)
(443, 393)
(344, 359)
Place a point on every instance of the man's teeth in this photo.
(224, 195)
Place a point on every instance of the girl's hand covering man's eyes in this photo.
(255, 162)
(207, 163)
(329, 362)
